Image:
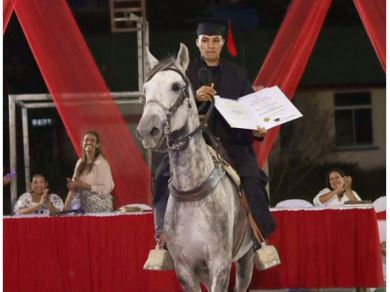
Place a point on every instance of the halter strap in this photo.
(180, 142)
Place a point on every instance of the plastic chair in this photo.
(294, 203)
(380, 208)
(380, 204)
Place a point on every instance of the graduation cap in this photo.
(211, 26)
(217, 26)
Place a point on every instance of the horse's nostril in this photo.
(155, 132)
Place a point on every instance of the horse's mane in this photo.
(161, 65)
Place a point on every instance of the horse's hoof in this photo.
(159, 260)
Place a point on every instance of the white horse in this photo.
(205, 226)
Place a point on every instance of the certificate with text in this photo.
(267, 108)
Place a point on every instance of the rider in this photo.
(211, 75)
(229, 80)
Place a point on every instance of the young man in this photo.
(210, 75)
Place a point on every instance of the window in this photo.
(353, 119)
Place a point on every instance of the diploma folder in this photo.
(267, 108)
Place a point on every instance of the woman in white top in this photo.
(38, 200)
(92, 181)
(338, 191)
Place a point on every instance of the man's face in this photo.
(210, 47)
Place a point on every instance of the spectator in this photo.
(38, 200)
(92, 181)
(338, 190)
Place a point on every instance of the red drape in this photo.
(82, 253)
(289, 54)
(324, 248)
(8, 7)
(373, 16)
(381, 215)
(318, 248)
(80, 93)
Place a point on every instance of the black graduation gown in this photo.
(230, 81)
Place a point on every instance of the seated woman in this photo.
(38, 200)
(92, 181)
(338, 190)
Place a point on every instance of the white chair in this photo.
(294, 203)
(380, 206)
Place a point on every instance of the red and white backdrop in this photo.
(84, 102)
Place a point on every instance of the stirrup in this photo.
(159, 259)
(266, 257)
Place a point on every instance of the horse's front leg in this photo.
(244, 270)
(220, 273)
(187, 278)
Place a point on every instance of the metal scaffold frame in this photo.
(126, 16)
(130, 16)
(39, 101)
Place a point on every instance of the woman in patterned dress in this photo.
(92, 183)
(38, 200)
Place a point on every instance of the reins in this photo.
(179, 139)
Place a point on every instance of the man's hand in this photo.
(259, 133)
(6, 180)
(205, 93)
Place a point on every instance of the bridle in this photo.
(177, 140)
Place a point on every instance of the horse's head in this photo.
(168, 99)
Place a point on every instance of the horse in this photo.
(206, 228)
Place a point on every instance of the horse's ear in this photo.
(183, 57)
(151, 60)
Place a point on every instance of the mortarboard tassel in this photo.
(231, 46)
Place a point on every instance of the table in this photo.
(318, 248)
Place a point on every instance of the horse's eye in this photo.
(176, 86)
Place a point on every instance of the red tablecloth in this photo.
(326, 248)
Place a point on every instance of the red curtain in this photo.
(318, 248)
(373, 16)
(8, 7)
(289, 54)
(80, 93)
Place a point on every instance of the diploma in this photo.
(267, 108)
